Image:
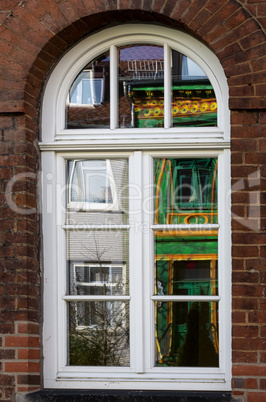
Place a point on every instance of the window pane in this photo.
(186, 334)
(98, 185)
(141, 86)
(193, 98)
(189, 277)
(98, 262)
(98, 333)
(88, 101)
(185, 191)
(90, 279)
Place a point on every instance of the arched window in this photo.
(136, 224)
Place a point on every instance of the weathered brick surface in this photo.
(33, 36)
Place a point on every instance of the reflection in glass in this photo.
(97, 279)
(98, 262)
(98, 333)
(141, 95)
(185, 191)
(98, 184)
(193, 98)
(190, 277)
(141, 86)
(186, 334)
(88, 101)
(91, 183)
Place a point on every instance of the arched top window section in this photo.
(139, 81)
(140, 99)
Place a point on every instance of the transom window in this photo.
(139, 87)
(136, 179)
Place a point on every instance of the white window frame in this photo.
(140, 146)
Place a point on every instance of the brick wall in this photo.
(249, 286)
(33, 35)
(19, 275)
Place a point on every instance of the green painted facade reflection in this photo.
(186, 262)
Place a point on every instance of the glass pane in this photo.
(185, 191)
(193, 98)
(141, 86)
(88, 101)
(98, 262)
(190, 277)
(98, 333)
(186, 334)
(90, 279)
(98, 185)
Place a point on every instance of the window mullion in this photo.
(113, 88)
(137, 261)
(167, 86)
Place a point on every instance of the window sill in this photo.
(117, 395)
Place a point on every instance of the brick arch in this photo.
(35, 34)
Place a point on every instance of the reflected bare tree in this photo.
(99, 329)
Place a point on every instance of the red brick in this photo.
(31, 354)
(246, 357)
(7, 303)
(237, 158)
(244, 252)
(180, 8)
(238, 317)
(29, 379)
(248, 383)
(246, 131)
(257, 316)
(251, 238)
(252, 78)
(7, 328)
(68, 11)
(247, 290)
(244, 145)
(243, 90)
(6, 380)
(257, 264)
(28, 389)
(249, 370)
(245, 171)
(28, 328)
(251, 344)
(245, 118)
(256, 396)
(22, 367)
(245, 331)
(22, 341)
(191, 10)
(255, 158)
(7, 354)
(262, 357)
(253, 40)
(197, 22)
(244, 303)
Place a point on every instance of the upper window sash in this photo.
(76, 59)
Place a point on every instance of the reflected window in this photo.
(87, 90)
(185, 185)
(195, 184)
(98, 279)
(91, 185)
(88, 101)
